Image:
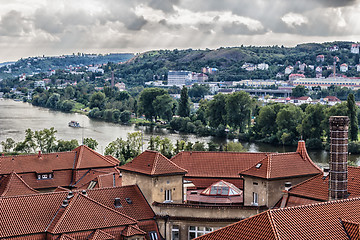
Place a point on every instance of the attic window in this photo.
(258, 165)
(117, 203)
(92, 184)
(128, 200)
(42, 176)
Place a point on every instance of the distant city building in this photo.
(263, 66)
(295, 76)
(344, 67)
(257, 83)
(39, 84)
(355, 48)
(302, 67)
(209, 70)
(353, 83)
(333, 48)
(289, 69)
(178, 78)
(96, 69)
(320, 58)
(121, 86)
(358, 67)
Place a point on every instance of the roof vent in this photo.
(128, 200)
(326, 171)
(287, 186)
(117, 203)
(70, 195)
(84, 192)
(65, 203)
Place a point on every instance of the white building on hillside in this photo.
(179, 78)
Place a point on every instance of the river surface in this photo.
(16, 117)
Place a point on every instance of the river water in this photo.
(16, 117)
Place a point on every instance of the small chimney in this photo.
(117, 203)
(65, 203)
(39, 155)
(339, 126)
(287, 186)
(301, 149)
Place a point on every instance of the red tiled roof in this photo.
(84, 213)
(280, 165)
(132, 231)
(152, 163)
(88, 158)
(13, 185)
(139, 209)
(352, 229)
(101, 235)
(81, 157)
(105, 177)
(317, 188)
(315, 221)
(37, 213)
(66, 237)
(216, 164)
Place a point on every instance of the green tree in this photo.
(63, 145)
(288, 121)
(97, 99)
(8, 145)
(146, 101)
(199, 146)
(216, 110)
(299, 91)
(53, 101)
(234, 147)
(91, 143)
(238, 109)
(184, 104)
(164, 106)
(313, 117)
(266, 121)
(45, 140)
(116, 149)
(352, 113)
(28, 145)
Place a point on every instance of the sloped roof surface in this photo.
(80, 157)
(216, 164)
(139, 209)
(101, 235)
(132, 231)
(152, 163)
(205, 182)
(282, 165)
(84, 213)
(317, 187)
(88, 158)
(13, 185)
(352, 229)
(315, 221)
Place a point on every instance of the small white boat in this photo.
(74, 124)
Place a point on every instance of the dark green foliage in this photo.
(184, 104)
(299, 91)
(146, 101)
(352, 113)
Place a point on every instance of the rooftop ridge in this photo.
(303, 182)
(273, 224)
(9, 182)
(32, 195)
(315, 204)
(268, 170)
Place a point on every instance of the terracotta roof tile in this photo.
(88, 158)
(84, 213)
(152, 163)
(280, 165)
(351, 228)
(317, 187)
(13, 185)
(101, 235)
(139, 208)
(66, 237)
(109, 178)
(81, 157)
(314, 221)
(216, 164)
(132, 230)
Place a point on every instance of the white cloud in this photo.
(294, 19)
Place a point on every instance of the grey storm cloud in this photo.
(167, 6)
(13, 24)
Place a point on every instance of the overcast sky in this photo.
(48, 27)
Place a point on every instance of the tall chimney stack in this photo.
(339, 126)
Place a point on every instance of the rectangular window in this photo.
(195, 232)
(44, 176)
(175, 233)
(255, 199)
(168, 195)
(153, 236)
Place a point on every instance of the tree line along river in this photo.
(16, 117)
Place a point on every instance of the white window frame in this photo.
(175, 230)
(199, 232)
(153, 236)
(168, 197)
(255, 199)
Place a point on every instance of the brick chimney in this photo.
(339, 126)
(39, 155)
(301, 149)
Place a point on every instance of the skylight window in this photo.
(258, 165)
(128, 200)
(222, 188)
